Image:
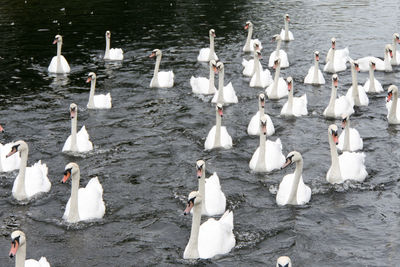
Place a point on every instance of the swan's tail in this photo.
(43, 262)
(227, 219)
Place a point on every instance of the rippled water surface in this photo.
(146, 146)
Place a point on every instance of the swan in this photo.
(250, 65)
(97, 101)
(396, 56)
(206, 54)
(213, 237)
(292, 190)
(359, 96)
(278, 53)
(261, 78)
(381, 65)
(162, 79)
(249, 46)
(214, 201)
(348, 166)
(8, 164)
(283, 261)
(224, 94)
(32, 180)
(278, 88)
(392, 105)
(202, 85)
(77, 142)
(113, 53)
(314, 75)
(268, 156)
(339, 106)
(85, 203)
(336, 59)
(58, 63)
(375, 86)
(218, 136)
(295, 106)
(18, 250)
(349, 139)
(286, 35)
(254, 128)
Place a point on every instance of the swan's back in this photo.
(254, 126)
(36, 180)
(62, 68)
(83, 142)
(166, 79)
(90, 201)
(282, 34)
(282, 55)
(215, 200)
(34, 263)
(102, 101)
(356, 142)
(204, 54)
(116, 54)
(352, 166)
(303, 191)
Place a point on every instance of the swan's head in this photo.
(18, 147)
(219, 109)
(108, 34)
(277, 62)
(276, 37)
(372, 65)
(283, 261)
(289, 83)
(257, 45)
(292, 157)
(258, 52)
(57, 39)
(335, 80)
(211, 33)
(220, 66)
(396, 37)
(261, 98)
(287, 18)
(70, 169)
(213, 65)
(248, 25)
(200, 166)
(356, 65)
(391, 90)
(17, 239)
(389, 49)
(263, 124)
(333, 133)
(333, 40)
(73, 110)
(345, 119)
(316, 55)
(193, 199)
(155, 53)
(91, 76)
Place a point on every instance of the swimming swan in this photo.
(58, 63)
(340, 105)
(375, 86)
(349, 139)
(218, 136)
(202, 85)
(314, 75)
(295, 106)
(254, 126)
(359, 96)
(225, 94)
(161, 79)
(249, 46)
(278, 88)
(392, 105)
(207, 54)
(113, 53)
(97, 101)
(278, 53)
(285, 34)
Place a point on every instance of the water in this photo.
(146, 146)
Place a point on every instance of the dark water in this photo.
(147, 144)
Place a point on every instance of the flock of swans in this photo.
(215, 237)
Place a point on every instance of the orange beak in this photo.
(72, 113)
(152, 54)
(13, 151)
(55, 41)
(220, 112)
(199, 173)
(262, 103)
(1, 129)
(264, 129)
(335, 139)
(14, 248)
(289, 86)
(188, 208)
(215, 69)
(391, 53)
(66, 177)
(317, 57)
(275, 65)
(246, 26)
(357, 68)
(89, 79)
(389, 97)
(335, 83)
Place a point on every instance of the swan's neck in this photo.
(91, 94)
(290, 102)
(59, 45)
(393, 108)
(202, 189)
(355, 93)
(295, 184)
(274, 91)
(316, 77)
(156, 68)
(394, 47)
(261, 154)
(192, 250)
(211, 84)
(371, 80)
(107, 53)
(20, 190)
(217, 141)
(278, 47)
(256, 70)
(335, 174)
(220, 98)
(330, 111)
(74, 145)
(346, 145)
(73, 215)
(249, 34)
(386, 61)
(286, 30)
(211, 55)
(20, 256)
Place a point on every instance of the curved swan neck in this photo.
(156, 68)
(202, 187)
(290, 102)
(20, 190)
(386, 61)
(286, 30)
(220, 98)
(261, 154)
(295, 184)
(211, 80)
(335, 167)
(20, 257)
(355, 93)
(107, 53)
(278, 46)
(217, 141)
(393, 108)
(59, 45)
(331, 107)
(346, 145)
(256, 69)
(274, 91)
(73, 215)
(91, 94)
(74, 145)
(316, 77)
(371, 80)
(192, 248)
(394, 47)
(249, 35)
(211, 55)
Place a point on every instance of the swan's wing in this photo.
(352, 166)
(209, 143)
(356, 142)
(284, 109)
(102, 101)
(310, 76)
(229, 94)
(378, 86)
(282, 88)
(266, 78)
(270, 126)
(43, 262)
(53, 65)
(285, 186)
(166, 79)
(254, 159)
(300, 105)
(65, 65)
(226, 139)
(284, 58)
(274, 159)
(82, 140)
(116, 54)
(203, 54)
(36, 180)
(253, 128)
(200, 85)
(90, 201)
(271, 59)
(215, 200)
(303, 192)
(67, 144)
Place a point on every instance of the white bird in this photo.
(396, 56)
(254, 126)
(285, 34)
(202, 85)
(278, 53)
(58, 63)
(249, 46)
(207, 54)
(268, 156)
(358, 95)
(161, 79)
(292, 190)
(77, 142)
(283, 261)
(295, 106)
(212, 237)
(224, 94)
(349, 139)
(375, 86)
(340, 105)
(97, 101)
(113, 53)
(336, 59)
(250, 65)
(85, 203)
(261, 78)
(8, 164)
(314, 75)
(348, 166)
(392, 105)
(381, 65)
(278, 88)
(18, 250)
(218, 136)
(30, 180)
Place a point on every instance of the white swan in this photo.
(392, 105)
(77, 142)
(218, 136)
(161, 79)
(283, 261)
(250, 65)
(58, 63)
(30, 180)
(254, 126)
(214, 201)
(396, 56)
(212, 237)
(224, 94)
(336, 59)
(278, 53)
(18, 250)
(381, 65)
(292, 190)
(113, 53)
(249, 46)
(375, 86)
(261, 78)
(295, 106)
(349, 139)
(202, 85)
(278, 88)
(285, 34)
(359, 96)
(8, 164)
(85, 203)
(340, 105)
(268, 156)
(97, 101)
(206, 54)
(314, 75)
(348, 166)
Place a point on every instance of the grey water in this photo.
(146, 146)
